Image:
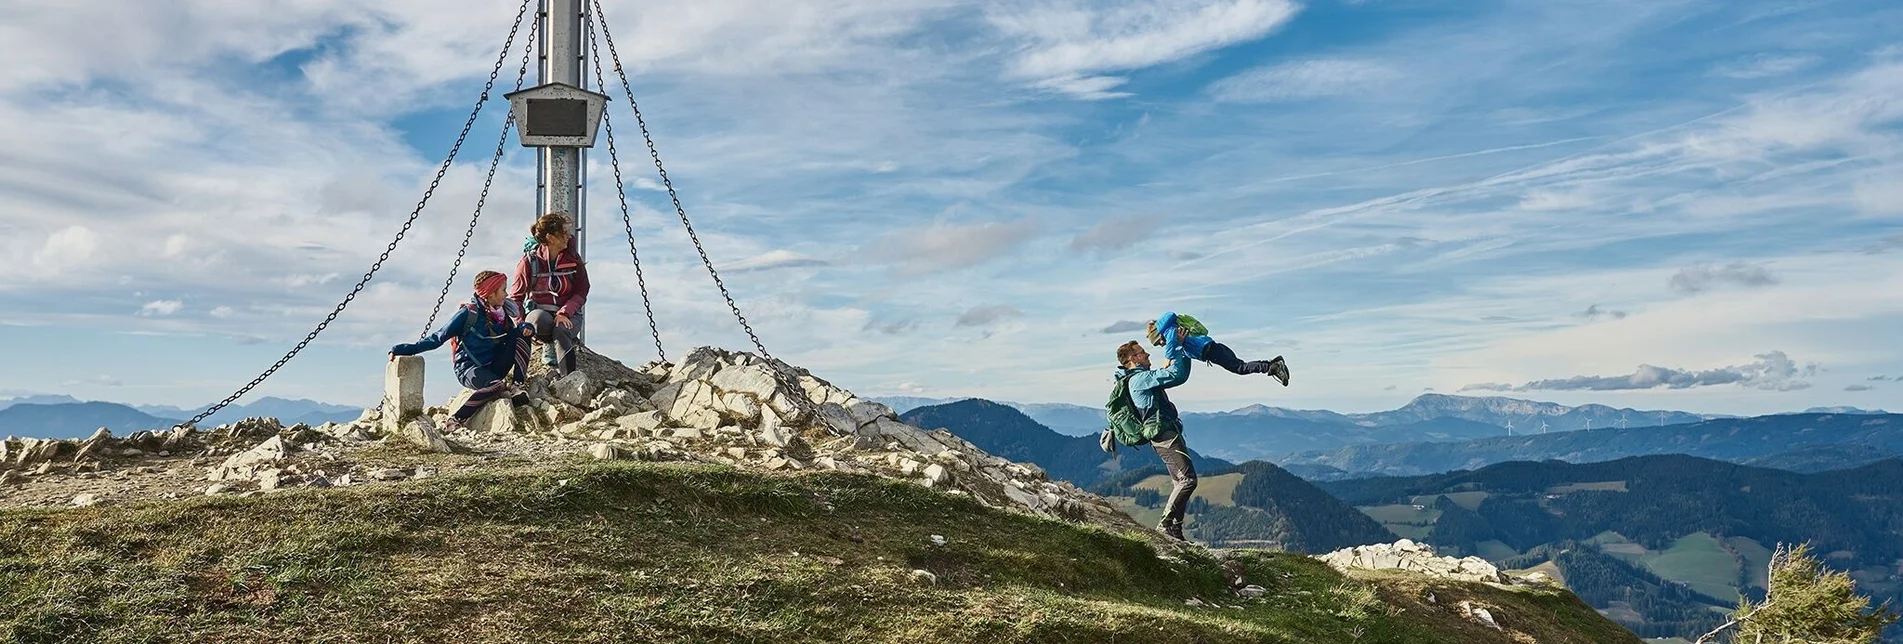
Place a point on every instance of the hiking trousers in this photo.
(1175, 455)
(563, 339)
(1222, 356)
(512, 358)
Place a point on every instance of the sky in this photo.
(1685, 204)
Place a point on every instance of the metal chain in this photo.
(614, 161)
(800, 400)
(502, 140)
(503, 56)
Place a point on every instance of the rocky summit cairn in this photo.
(714, 406)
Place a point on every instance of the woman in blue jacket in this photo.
(488, 347)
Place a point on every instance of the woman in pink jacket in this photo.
(550, 286)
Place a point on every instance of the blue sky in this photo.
(1661, 203)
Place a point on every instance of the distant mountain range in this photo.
(75, 419)
(1801, 442)
(1271, 433)
(64, 417)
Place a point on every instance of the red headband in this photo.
(494, 282)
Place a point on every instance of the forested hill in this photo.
(1705, 524)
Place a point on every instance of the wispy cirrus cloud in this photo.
(776, 259)
(1306, 79)
(1116, 233)
(1759, 66)
(942, 246)
(1069, 46)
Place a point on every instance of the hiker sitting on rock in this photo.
(488, 345)
(1145, 414)
(551, 285)
(1199, 345)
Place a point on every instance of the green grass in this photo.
(1698, 560)
(1756, 558)
(1403, 514)
(1469, 500)
(1217, 490)
(623, 552)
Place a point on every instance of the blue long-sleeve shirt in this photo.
(1194, 345)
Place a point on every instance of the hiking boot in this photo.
(1279, 370)
(1174, 529)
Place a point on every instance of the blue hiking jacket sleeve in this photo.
(434, 340)
(1193, 346)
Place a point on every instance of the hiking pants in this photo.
(564, 339)
(514, 357)
(1175, 455)
(1222, 356)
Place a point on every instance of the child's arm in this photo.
(1176, 372)
(434, 340)
(1166, 323)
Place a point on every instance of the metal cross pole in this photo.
(562, 168)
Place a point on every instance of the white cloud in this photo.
(70, 247)
(161, 307)
(941, 246)
(222, 312)
(772, 260)
(1304, 79)
(1066, 39)
(1086, 87)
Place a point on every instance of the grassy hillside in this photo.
(621, 551)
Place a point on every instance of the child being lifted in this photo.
(1200, 346)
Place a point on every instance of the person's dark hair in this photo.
(549, 223)
(1128, 351)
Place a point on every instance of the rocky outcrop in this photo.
(713, 406)
(1419, 557)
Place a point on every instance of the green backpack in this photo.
(1126, 425)
(1191, 325)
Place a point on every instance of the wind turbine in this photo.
(1589, 424)
(1661, 419)
(1542, 426)
(1509, 427)
(1622, 420)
